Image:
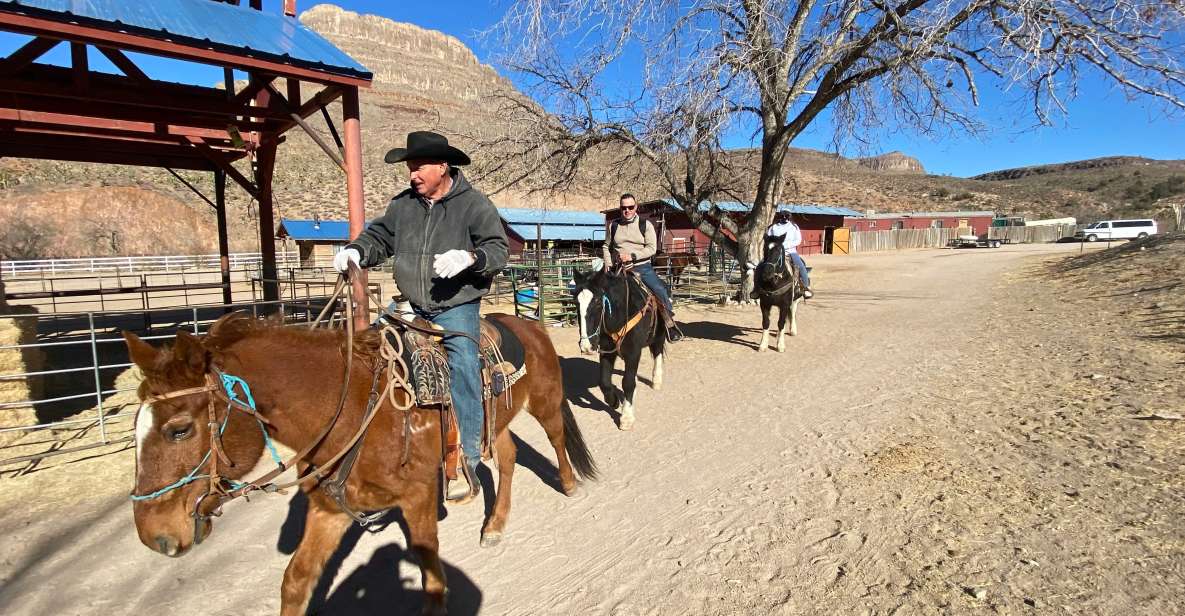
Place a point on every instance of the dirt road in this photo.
(884, 464)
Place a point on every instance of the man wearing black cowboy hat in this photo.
(448, 243)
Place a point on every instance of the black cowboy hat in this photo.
(427, 145)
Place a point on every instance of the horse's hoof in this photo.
(491, 539)
(626, 424)
(573, 490)
(656, 386)
(762, 348)
(781, 348)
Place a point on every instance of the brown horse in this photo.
(296, 378)
(676, 261)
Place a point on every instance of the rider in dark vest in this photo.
(632, 242)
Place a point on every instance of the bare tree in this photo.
(711, 68)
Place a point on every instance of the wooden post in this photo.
(223, 240)
(357, 203)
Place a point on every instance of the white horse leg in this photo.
(627, 415)
(656, 376)
(782, 339)
(764, 341)
(794, 316)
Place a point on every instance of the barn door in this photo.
(840, 239)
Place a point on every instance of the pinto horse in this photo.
(296, 379)
(618, 317)
(777, 284)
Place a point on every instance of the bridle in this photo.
(222, 489)
(619, 334)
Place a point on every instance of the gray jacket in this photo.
(414, 233)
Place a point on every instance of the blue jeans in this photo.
(465, 384)
(801, 265)
(650, 278)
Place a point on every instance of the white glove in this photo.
(453, 262)
(341, 261)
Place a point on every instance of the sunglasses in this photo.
(629, 207)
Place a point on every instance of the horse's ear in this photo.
(143, 354)
(189, 350)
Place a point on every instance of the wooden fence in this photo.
(900, 239)
(1032, 235)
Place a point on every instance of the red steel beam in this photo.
(220, 162)
(45, 80)
(79, 67)
(354, 197)
(46, 120)
(25, 56)
(256, 83)
(311, 106)
(115, 136)
(28, 24)
(115, 112)
(114, 158)
(124, 63)
(290, 8)
(130, 146)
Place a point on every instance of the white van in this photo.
(1117, 230)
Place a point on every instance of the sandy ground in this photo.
(951, 432)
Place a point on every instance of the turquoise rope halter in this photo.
(229, 383)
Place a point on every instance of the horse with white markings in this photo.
(777, 284)
(618, 317)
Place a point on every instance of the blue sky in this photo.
(1101, 122)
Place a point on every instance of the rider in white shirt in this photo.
(784, 226)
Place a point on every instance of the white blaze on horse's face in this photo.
(583, 301)
(144, 423)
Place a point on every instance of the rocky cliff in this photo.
(898, 162)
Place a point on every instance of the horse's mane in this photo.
(241, 327)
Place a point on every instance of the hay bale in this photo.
(16, 330)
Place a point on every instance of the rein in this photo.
(218, 485)
(619, 334)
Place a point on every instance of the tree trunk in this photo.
(765, 204)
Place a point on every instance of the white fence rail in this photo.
(156, 263)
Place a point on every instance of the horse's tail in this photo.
(578, 453)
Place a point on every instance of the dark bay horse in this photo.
(296, 380)
(618, 318)
(777, 284)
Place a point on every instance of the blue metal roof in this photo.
(530, 216)
(326, 231)
(203, 24)
(793, 208)
(575, 233)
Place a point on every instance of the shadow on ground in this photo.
(375, 587)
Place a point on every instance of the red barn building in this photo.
(678, 234)
(978, 221)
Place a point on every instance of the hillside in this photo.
(429, 80)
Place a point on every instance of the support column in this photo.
(223, 240)
(265, 163)
(357, 203)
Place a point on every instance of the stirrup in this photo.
(458, 497)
